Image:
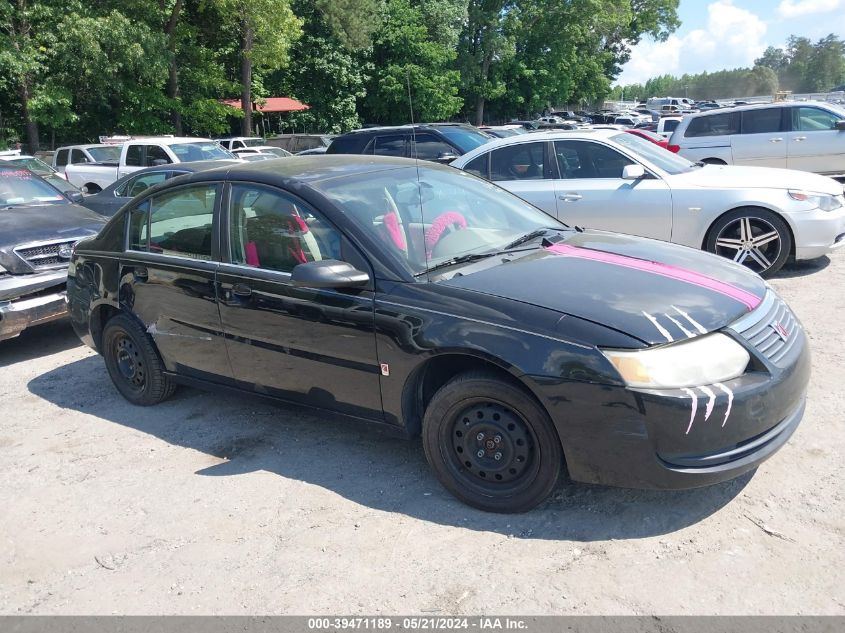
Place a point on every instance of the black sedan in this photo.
(429, 301)
(108, 201)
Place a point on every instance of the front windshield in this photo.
(278, 151)
(106, 153)
(33, 164)
(21, 186)
(200, 150)
(460, 214)
(467, 139)
(253, 142)
(664, 159)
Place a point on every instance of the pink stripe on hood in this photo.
(749, 299)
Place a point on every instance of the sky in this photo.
(723, 34)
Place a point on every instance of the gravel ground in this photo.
(218, 504)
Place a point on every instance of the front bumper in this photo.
(27, 300)
(684, 438)
(817, 232)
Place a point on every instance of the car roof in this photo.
(316, 169)
(189, 166)
(407, 126)
(170, 140)
(88, 146)
(758, 106)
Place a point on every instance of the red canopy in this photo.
(273, 104)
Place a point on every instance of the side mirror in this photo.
(840, 125)
(445, 158)
(158, 162)
(75, 196)
(328, 273)
(633, 172)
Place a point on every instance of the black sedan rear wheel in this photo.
(490, 444)
(133, 363)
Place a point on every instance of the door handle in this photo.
(241, 290)
(141, 274)
(799, 138)
(775, 140)
(570, 197)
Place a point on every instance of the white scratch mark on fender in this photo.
(694, 397)
(680, 327)
(730, 401)
(153, 330)
(711, 400)
(692, 321)
(659, 327)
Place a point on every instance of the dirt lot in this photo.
(218, 504)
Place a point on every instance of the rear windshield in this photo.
(21, 186)
(665, 160)
(33, 164)
(466, 139)
(106, 154)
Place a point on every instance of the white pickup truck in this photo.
(140, 153)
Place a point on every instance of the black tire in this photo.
(713, 161)
(133, 362)
(477, 415)
(756, 238)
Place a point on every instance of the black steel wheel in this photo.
(490, 444)
(755, 238)
(133, 362)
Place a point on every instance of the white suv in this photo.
(806, 135)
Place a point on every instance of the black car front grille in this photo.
(46, 255)
(771, 329)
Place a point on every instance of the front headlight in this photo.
(823, 201)
(700, 361)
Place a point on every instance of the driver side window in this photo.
(585, 159)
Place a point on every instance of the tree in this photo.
(826, 66)
(265, 29)
(773, 58)
(407, 58)
(331, 52)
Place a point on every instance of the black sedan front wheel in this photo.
(490, 444)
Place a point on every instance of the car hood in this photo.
(740, 177)
(44, 223)
(653, 291)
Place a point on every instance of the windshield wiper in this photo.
(454, 261)
(533, 235)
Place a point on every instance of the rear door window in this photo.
(139, 184)
(176, 222)
(723, 124)
(389, 145)
(479, 166)
(762, 121)
(525, 161)
(134, 155)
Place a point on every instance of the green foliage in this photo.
(404, 52)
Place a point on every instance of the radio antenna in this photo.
(416, 162)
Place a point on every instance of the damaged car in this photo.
(38, 230)
(434, 303)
